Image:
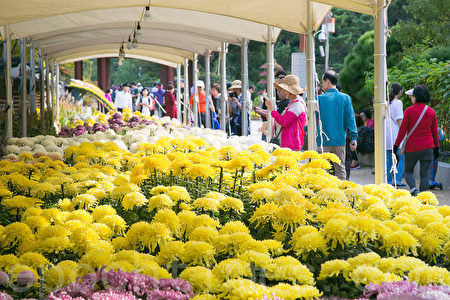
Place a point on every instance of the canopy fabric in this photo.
(97, 54)
(166, 54)
(229, 29)
(95, 90)
(287, 14)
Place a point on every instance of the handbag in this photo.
(276, 138)
(401, 150)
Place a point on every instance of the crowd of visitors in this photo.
(411, 137)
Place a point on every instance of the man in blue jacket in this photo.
(337, 115)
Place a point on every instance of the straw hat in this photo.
(237, 84)
(290, 83)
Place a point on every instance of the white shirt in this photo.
(396, 108)
(123, 100)
(145, 100)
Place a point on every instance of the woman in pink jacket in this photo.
(293, 119)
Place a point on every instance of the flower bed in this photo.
(234, 224)
(126, 137)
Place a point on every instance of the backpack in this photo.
(365, 140)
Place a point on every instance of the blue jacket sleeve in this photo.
(349, 119)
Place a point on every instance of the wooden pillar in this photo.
(102, 70)
(166, 74)
(79, 70)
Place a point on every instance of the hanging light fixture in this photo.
(138, 29)
(147, 14)
(129, 46)
(134, 44)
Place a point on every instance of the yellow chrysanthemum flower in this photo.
(337, 231)
(232, 204)
(333, 268)
(292, 292)
(256, 258)
(400, 242)
(202, 279)
(290, 216)
(169, 252)
(159, 202)
(427, 198)
(231, 269)
(144, 235)
(290, 269)
(307, 239)
(427, 275)
(133, 199)
(206, 204)
(96, 258)
(198, 253)
(170, 219)
(204, 234)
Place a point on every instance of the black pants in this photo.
(411, 158)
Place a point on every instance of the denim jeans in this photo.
(400, 168)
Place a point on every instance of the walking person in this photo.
(145, 103)
(123, 99)
(293, 119)
(170, 103)
(336, 116)
(419, 132)
(234, 107)
(394, 117)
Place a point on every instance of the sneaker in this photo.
(355, 167)
(414, 192)
(401, 184)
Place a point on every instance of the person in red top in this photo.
(201, 102)
(423, 143)
(170, 103)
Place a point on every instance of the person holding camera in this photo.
(293, 119)
(235, 107)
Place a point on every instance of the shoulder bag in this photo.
(402, 148)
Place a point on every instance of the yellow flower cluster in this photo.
(92, 207)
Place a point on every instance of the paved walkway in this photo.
(364, 175)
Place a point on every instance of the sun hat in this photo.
(200, 83)
(290, 83)
(237, 84)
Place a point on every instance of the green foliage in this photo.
(430, 72)
(426, 25)
(358, 62)
(129, 71)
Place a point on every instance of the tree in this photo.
(426, 25)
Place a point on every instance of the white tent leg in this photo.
(57, 96)
(8, 81)
(42, 88)
(32, 80)
(207, 87)
(244, 78)
(179, 92)
(270, 77)
(310, 78)
(47, 83)
(194, 89)
(186, 91)
(223, 84)
(380, 78)
(23, 77)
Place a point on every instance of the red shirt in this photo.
(170, 105)
(425, 136)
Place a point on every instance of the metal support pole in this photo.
(23, 79)
(244, 79)
(223, 84)
(57, 95)
(207, 88)
(186, 90)
(194, 89)
(179, 92)
(380, 77)
(47, 83)
(8, 81)
(327, 49)
(270, 77)
(32, 80)
(42, 87)
(310, 78)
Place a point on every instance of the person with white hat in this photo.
(202, 102)
(293, 119)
